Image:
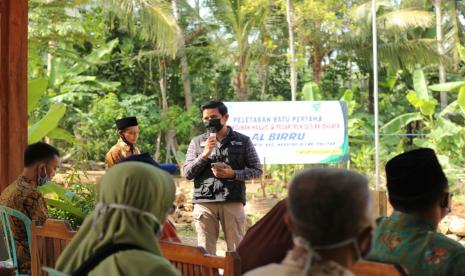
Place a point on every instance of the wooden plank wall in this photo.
(13, 88)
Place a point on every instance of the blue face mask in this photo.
(42, 180)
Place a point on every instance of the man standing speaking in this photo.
(220, 161)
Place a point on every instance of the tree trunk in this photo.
(316, 59)
(186, 83)
(157, 147)
(292, 62)
(263, 76)
(240, 82)
(51, 50)
(162, 82)
(170, 138)
(316, 71)
(439, 38)
(197, 8)
(456, 25)
(169, 133)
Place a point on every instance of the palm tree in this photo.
(154, 19)
(240, 21)
(401, 43)
(439, 37)
(186, 83)
(318, 26)
(449, 34)
(271, 44)
(453, 30)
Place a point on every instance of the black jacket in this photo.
(208, 188)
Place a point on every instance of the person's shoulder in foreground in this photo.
(419, 193)
(332, 231)
(133, 218)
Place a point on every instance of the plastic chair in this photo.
(5, 214)
(54, 272)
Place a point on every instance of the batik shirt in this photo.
(118, 152)
(22, 195)
(414, 243)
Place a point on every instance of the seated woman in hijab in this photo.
(120, 237)
(169, 229)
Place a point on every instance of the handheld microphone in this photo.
(212, 131)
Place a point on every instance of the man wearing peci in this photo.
(220, 161)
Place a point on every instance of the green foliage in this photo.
(448, 87)
(36, 89)
(461, 51)
(72, 204)
(427, 107)
(92, 59)
(310, 92)
(461, 98)
(398, 123)
(99, 122)
(419, 84)
(153, 19)
(100, 60)
(48, 123)
(402, 36)
(282, 173)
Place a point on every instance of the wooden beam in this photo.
(379, 203)
(13, 88)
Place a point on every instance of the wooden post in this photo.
(263, 178)
(13, 88)
(379, 203)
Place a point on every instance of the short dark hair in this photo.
(39, 152)
(416, 204)
(215, 104)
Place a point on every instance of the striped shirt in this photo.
(195, 164)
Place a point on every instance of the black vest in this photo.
(208, 188)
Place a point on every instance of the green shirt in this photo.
(414, 243)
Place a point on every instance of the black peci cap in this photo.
(415, 177)
(124, 123)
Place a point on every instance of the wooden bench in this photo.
(47, 243)
(50, 239)
(195, 261)
(366, 268)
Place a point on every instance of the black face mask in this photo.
(214, 124)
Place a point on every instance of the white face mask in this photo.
(42, 180)
(313, 254)
(102, 209)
